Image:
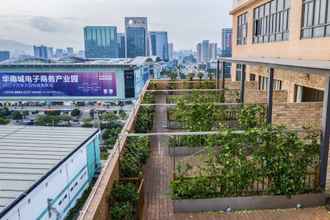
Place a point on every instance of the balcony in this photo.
(189, 147)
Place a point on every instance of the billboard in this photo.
(34, 84)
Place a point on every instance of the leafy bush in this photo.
(121, 211)
(252, 116)
(123, 199)
(124, 192)
(144, 121)
(4, 121)
(75, 112)
(16, 115)
(273, 156)
(136, 154)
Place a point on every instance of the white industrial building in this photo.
(44, 170)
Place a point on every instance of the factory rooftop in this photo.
(29, 154)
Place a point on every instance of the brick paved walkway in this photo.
(158, 171)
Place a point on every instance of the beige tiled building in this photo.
(286, 30)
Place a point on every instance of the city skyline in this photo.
(59, 24)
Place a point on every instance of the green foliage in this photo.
(136, 154)
(4, 112)
(123, 199)
(123, 115)
(121, 211)
(173, 75)
(191, 76)
(197, 115)
(48, 120)
(109, 117)
(110, 136)
(16, 115)
(200, 75)
(144, 121)
(53, 113)
(124, 192)
(237, 161)
(252, 116)
(148, 98)
(87, 123)
(4, 121)
(75, 112)
(210, 76)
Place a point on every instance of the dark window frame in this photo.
(271, 21)
(315, 19)
(242, 29)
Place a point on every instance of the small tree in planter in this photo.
(210, 76)
(200, 75)
(173, 75)
(191, 76)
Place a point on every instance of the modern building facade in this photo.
(41, 52)
(283, 30)
(170, 51)
(121, 45)
(137, 43)
(205, 51)
(226, 42)
(159, 44)
(199, 52)
(73, 79)
(4, 55)
(47, 169)
(101, 42)
(213, 51)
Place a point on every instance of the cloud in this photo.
(46, 24)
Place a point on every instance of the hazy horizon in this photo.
(59, 23)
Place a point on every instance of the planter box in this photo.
(251, 202)
(183, 151)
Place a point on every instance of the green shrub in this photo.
(237, 161)
(123, 200)
(136, 154)
(121, 211)
(4, 121)
(144, 121)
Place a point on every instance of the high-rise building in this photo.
(70, 51)
(121, 45)
(213, 51)
(50, 52)
(41, 52)
(205, 51)
(159, 44)
(4, 55)
(59, 53)
(136, 36)
(170, 51)
(101, 42)
(226, 42)
(199, 52)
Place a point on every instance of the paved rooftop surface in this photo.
(28, 153)
(158, 204)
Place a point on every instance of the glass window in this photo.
(271, 21)
(316, 18)
(242, 29)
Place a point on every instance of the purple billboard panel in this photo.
(58, 84)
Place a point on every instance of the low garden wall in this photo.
(298, 115)
(249, 203)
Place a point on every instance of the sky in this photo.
(59, 23)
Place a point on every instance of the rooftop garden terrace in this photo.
(187, 147)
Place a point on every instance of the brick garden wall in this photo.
(296, 115)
